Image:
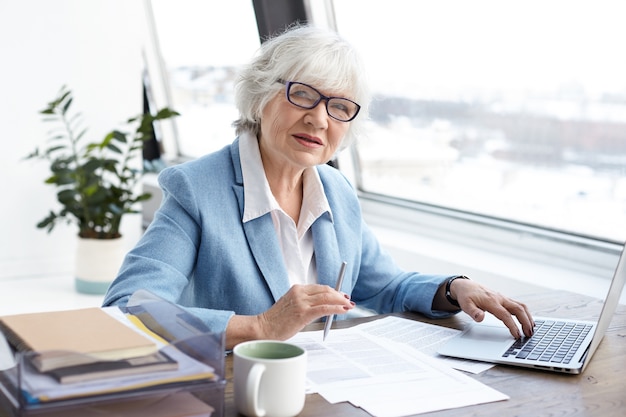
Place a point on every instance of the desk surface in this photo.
(599, 391)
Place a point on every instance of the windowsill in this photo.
(520, 265)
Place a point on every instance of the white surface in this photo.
(25, 295)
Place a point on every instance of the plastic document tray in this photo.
(195, 389)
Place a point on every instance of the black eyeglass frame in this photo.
(288, 85)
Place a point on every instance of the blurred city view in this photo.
(516, 114)
(557, 162)
(513, 110)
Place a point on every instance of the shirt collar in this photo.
(258, 198)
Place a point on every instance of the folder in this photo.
(89, 333)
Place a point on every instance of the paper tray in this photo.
(190, 342)
(206, 400)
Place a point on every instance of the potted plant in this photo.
(97, 184)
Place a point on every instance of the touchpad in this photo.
(489, 334)
(480, 341)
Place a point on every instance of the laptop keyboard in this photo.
(553, 341)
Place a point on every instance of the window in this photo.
(201, 44)
(511, 110)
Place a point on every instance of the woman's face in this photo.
(298, 138)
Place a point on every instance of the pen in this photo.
(329, 319)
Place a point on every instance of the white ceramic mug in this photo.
(269, 378)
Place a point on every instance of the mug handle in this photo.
(252, 388)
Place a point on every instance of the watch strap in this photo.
(449, 294)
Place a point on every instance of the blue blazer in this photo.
(198, 253)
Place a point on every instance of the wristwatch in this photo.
(448, 294)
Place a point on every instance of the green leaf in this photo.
(48, 222)
(67, 105)
(114, 148)
(53, 149)
(119, 136)
(166, 113)
(143, 197)
(94, 192)
(67, 196)
(81, 134)
(63, 96)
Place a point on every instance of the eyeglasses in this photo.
(307, 97)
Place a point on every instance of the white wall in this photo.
(93, 47)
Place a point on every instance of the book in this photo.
(73, 337)
(158, 361)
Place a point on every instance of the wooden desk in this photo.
(599, 391)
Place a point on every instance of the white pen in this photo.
(329, 319)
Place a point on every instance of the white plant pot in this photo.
(97, 264)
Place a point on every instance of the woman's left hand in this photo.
(475, 299)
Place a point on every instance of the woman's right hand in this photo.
(301, 305)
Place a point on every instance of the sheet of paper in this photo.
(386, 379)
(425, 337)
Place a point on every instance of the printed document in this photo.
(425, 337)
(383, 377)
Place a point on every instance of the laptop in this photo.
(560, 345)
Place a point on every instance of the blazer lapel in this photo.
(327, 257)
(266, 251)
(261, 238)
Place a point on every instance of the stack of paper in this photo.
(384, 377)
(92, 351)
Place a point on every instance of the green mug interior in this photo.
(269, 350)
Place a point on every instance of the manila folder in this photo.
(72, 337)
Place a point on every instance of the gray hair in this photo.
(307, 54)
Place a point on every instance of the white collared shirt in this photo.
(296, 241)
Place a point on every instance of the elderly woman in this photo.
(250, 238)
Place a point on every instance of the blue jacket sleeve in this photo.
(165, 259)
(378, 283)
(386, 288)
